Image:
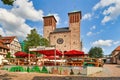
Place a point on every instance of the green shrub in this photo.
(44, 70)
(35, 69)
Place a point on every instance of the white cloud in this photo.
(87, 16)
(89, 33)
(13, 25)
(112, 11)
(85, 50)
(12, 21)
(26, 10)
(102, 43)
(2, 32)
(100, 32)
(116, 42)
(56, 17)
(93, 27)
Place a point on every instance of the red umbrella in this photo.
(23, 54)
(50, 52)
(31, 55)
(74, 53)
(20, 54)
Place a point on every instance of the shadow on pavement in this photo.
(73, 78)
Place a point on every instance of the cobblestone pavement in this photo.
(109, 70)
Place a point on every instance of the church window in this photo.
(73, 42)
(77, 18)
(60, 40)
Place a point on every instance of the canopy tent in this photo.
(50, 52)
(23, 54)
(47, 51)
(74, 53)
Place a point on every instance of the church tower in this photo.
(49, 26)
(74, 27)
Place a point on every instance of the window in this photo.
(60, 41)
(119, 57)
(0, 50)
(73, 42)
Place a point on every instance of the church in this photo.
(65, 38)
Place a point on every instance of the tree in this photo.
(8, 55)
(96, 52)
(8, 2)
(34, 39)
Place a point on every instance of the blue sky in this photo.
(99, 25)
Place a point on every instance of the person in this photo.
(71, 72)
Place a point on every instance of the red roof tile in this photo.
(8, 39)
(117, 49)
(2, 45)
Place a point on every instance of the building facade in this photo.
(65, 38)
(12, 43)
(3, 49)
(116, 55)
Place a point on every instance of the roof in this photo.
(48, 16)
(74, 12)
(8, 39)
(117, 49)
(58, 30)
(2, 45)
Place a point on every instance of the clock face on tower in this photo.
(60, 40)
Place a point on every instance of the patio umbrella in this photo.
(74, 53)
(23, 54)
(20, 54)
(31, 55)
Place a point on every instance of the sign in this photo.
(36, 48)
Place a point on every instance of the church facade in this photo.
(66, 38)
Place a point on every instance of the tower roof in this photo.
(74, 12)
(63, 29)
(52, 16)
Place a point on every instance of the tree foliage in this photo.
(34, 39)
(8, 2)
(8, 55)
(96, 52)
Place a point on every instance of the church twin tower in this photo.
(66, 38)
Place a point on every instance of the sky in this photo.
(99, 24)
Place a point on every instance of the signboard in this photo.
(37, 48)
